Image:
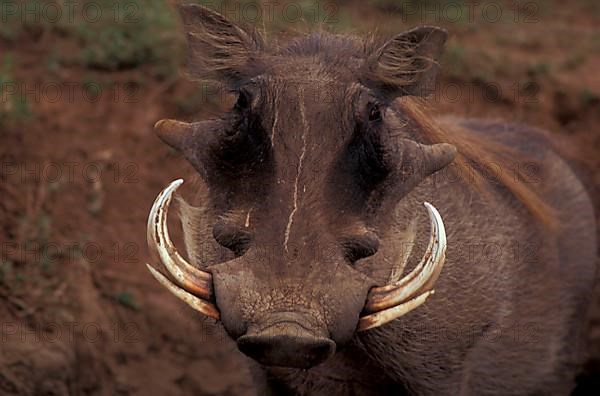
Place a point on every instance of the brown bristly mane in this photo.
(481, 158)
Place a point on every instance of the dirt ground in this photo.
(81, 166)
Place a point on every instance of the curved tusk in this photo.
(185, 275)
(382, 317)
(198, 304)
(421, 278)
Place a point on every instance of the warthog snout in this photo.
(249, 294)
(287, 343)
(288, 319)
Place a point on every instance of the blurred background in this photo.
(82, 83)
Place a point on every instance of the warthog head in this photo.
(303, 172)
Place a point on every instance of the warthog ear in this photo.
(408, 63)
(219, 50)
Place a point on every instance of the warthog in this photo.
(314, 185)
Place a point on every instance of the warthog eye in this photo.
(375, 113)
(243, 100)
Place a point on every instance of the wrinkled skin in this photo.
(315, 183)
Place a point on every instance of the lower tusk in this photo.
(421, 278)
(196, 303)
(382, 317)
(190, 278)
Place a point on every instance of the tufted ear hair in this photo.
(220, 51)
(408, 63)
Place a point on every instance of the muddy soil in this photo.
(80, 314)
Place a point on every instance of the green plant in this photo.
(129, 34)
(538, 69)
(454, 60)
(53, 61)
(574, 61)
(588, 97)
(6, 268)
(13, 105)
(16, 17)
(127, 299)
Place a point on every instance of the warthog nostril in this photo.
(287, 345)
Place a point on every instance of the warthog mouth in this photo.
(384, 303)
